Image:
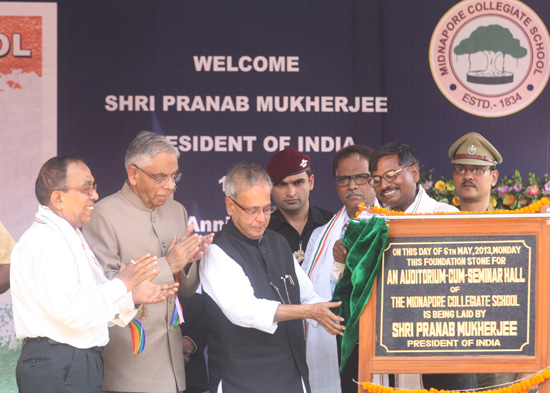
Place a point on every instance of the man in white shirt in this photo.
(62, 302)
(351, 172)
(256, 295)
(395, 179)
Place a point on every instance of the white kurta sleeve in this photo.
(226, 283)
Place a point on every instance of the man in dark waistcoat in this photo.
(256, 296)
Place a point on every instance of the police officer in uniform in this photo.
(474, 173)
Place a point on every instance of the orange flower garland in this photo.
(519, 387)
(533, 208)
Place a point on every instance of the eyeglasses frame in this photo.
(350, 178)
(466, 170)
(251, 212)
(89, 189)
(385, 173)
(176, 177)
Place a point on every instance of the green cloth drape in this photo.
(365, 242)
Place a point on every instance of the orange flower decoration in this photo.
(508, 199)
(532, 208)
(521, 386)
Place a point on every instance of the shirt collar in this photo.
(314, 216)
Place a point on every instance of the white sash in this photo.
(90, 272)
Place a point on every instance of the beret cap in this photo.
(285, 163)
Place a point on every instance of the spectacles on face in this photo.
(389, 176)
(161, 179)
(89, 189)
(343, 181)
(255, 211)
(475, 171)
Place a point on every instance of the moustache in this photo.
(390, 188)
(467, 182)
(353, 192)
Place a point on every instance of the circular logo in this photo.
(490, 58)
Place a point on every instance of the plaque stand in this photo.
(465, 225)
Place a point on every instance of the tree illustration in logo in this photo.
(495, 42)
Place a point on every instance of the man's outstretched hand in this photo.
(321, 313)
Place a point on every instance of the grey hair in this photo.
(243, 176)
(145, 146)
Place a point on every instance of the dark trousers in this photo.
(47, 366)
(351, 369)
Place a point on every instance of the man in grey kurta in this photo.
(143, 218)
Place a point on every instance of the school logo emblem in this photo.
(490, 58)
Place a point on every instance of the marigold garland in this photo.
(532, 208)
(521, 386)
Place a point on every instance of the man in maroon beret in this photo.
(290, 172)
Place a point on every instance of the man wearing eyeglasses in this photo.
(144, 218)
(62, 301)
(395, 179)
(350, 172)
(256, 295)
(290, 172)
(475, 173)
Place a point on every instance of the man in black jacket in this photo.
(290, 173)
(255, 296)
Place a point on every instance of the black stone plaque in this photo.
(456, 296)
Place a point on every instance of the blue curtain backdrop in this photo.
(346, 48)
